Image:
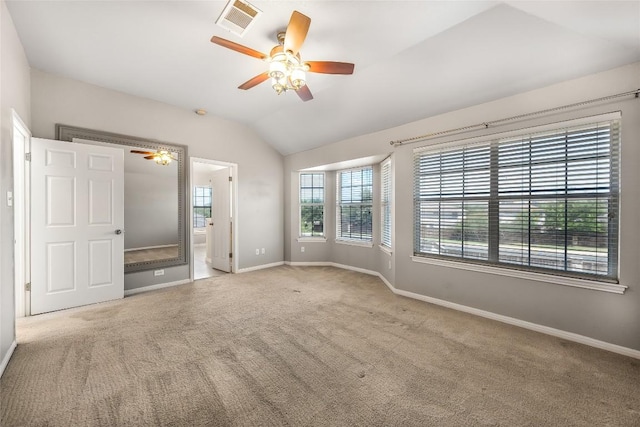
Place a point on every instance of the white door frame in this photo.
(21, 211)
(234, 209)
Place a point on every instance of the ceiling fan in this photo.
(286, 69)
(161, 157)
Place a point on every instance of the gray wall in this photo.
(603, 316)
(14, 93)
(260, 210)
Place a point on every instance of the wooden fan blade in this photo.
(150, 157)
(238, 47)
(141, 152)
(254, 81)
(330, 67)
(304, 93)
(296, 31)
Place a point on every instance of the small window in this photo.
(312, 205)
(354, 205)
(385, 203)
(201, 206)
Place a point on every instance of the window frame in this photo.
(607, 282)
(196, 206)
(301, 205)
(368, 242)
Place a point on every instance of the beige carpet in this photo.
(314, 346)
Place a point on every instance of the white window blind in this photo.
(385, 203)
(312, 204)
(544, 202)
(354, 204)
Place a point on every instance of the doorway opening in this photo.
(20, 200)
(214, 224)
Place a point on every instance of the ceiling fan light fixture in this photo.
(277, 69)
(162, 158)
(298, 78)
(287, 72)
(279, 85)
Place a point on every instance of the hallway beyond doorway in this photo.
(202, 270)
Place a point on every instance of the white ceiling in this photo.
(414, 59)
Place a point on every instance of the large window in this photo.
(385, 203)
(545, 201)
(312, 204)
(201, 206)
(354, 202)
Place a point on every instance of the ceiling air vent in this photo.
(238, 16)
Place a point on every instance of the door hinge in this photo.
(27, 157)
(27, 287)
(230, 255)
(230, 179)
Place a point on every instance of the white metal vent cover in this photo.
(238, 16)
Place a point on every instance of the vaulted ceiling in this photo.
(414, 59)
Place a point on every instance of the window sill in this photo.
(386, 250)
(361, 243)
(199, 231)
(312, 239)
(546, 278)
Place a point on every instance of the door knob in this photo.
(118, 231)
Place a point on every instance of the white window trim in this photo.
(323, 237)
(522, 274)
(311, 239)
(503, 269)
(352, 242)
(385, 249)
(200, 230)
(346, 240)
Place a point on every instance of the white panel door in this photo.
(77, 217)
(221, 219)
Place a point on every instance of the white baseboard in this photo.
(569, 336)
(260, 267)
(7, 357)
(134, 291)
(310, 264)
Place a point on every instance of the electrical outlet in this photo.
(158, 273)
(262, 251)
(257, 251)
(301, 248)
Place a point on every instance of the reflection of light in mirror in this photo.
(162, 157)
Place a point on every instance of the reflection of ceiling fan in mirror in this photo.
(161, 157)
(286, 69)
